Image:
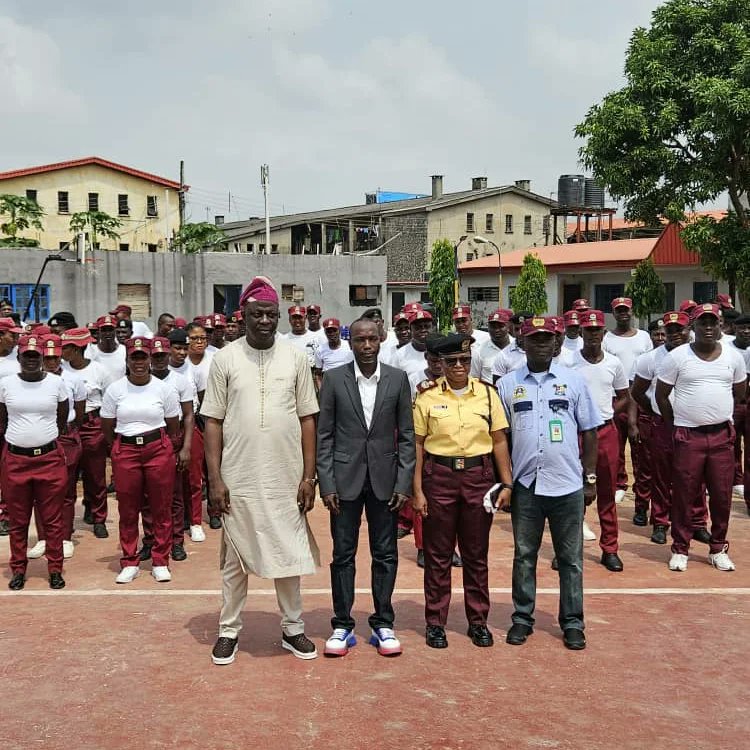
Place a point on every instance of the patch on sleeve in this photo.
(425, 385)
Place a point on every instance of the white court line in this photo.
(398, 592)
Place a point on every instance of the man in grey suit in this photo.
(366, 459)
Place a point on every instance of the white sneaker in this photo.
(678, 562)
(720, 560)
(340, 642)
(128, 574)
(197, 534)
(161, 573)
(68, 548)
(619, 496)
(384, 639)
(588, 534)
(37, 550)
(739, 489)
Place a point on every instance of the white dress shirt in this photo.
(368, 388)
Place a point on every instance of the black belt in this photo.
(90, 415)
(40, 451)
(709, 428)
(458, 463)
(145, 439)
(606, 423)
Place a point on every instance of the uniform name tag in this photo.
(555, 431)
(523, 406)
(556, 404)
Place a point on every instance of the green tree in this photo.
(646, 289)
(678, 133)
(22, 214)
(530, 294)
(198, 237)
(98, 225)
(443, 281)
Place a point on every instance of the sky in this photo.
(338, 98)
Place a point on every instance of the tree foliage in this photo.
(23, 214)
(199, 237)
(442, 281)
(530, 294)
(98, 225)
(646, 289)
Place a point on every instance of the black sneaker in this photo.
(214, 522)
(56, 581)
(111, 488)
(178, 553)
(145, 552)
(300, 645)
(87, 515)
(640, 518)
(224, 651)
(702, 535)
(402, 532)
(4, 528)
(100, 531)
(420, 558)
(457, 562)
(574, 639)
(660, 534)
(17, 582)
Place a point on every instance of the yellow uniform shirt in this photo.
(458, 426)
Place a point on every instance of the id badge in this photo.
(555, 431)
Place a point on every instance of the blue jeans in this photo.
(565, 516)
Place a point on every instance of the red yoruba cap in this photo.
(499, 316)
(260, 289)
(160, 345)
(571, 318)
(138, 344)
(675, 318)
(622, 302)
(297, 310)
(106, 320)
(461, 311)
(52, 345)
(581, 305)
(8, 324)
(30, 342)
(538, 324)
(420, 315)
(708, 309)
(591, 319)
(331, 323)
(77, 336)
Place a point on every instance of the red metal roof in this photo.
(96, 160)
(670, 250)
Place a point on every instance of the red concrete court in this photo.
(106, 666)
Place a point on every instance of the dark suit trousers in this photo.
(382, 525)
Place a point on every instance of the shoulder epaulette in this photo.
(425, 385)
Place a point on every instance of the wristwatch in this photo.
(590, 478)
(505, 486)
(313, 481)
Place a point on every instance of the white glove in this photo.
(489, 506)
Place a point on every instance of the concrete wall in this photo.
(137, 231)
(407, 254)
(184, 284)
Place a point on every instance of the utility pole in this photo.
(181, 200)
(265, 182)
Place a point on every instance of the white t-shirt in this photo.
(96, 379)
(510, 359)
(141, 329)
(388, 349)
(327, 358)
(184, 387)
(603, 379)
(140, 408)
(564, 358)
(744, 353)
(646, 367)
(702, 390)
(112, 362)
(76, 390)
(187, 372)
(480, 337)
(307, 343)
(409, 359)
(200, 371)
(9, 364)
(32, 409)
(573, 345)
(627, 349)
(487, 355)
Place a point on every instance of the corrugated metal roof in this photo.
(670, 250)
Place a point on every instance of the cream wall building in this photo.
(146, 204)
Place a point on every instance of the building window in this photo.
(527, 224)
(469, 222)
(605, 293)
(31, 195)
(705, 291)
(227, 298)
(124, 247)
(250, 247)
(274, 249)
(93, 201)
(292, 292)
(19, 295)
(669, 296)
(489, 223)
(138, 296)
(151, 209)
(484, 294)
(63, 204)
(424, 297)
(152, 248)
(262, 248)
(361, 295)
(123, 209)
(508, 223)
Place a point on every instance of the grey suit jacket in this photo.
(348, 450)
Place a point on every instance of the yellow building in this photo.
(147, 205)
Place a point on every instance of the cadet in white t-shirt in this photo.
(334, 352)
(107, 351)
(299, 337)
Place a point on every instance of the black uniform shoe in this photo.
(402, 532)
(660, 534)
(87, 515)
(574, 639)
(457, 562)
(702, 535)
(111, 488)
(435, 636)
(554, 564)
(214, 522)
(420, 558)
(4, 528)
(518, 634)
(17, 582)
(611, 561)
(224, 651)
(178, 552)
(100, 531)
(56, 581)
(480, 636)
(145, 552)
(640, 518)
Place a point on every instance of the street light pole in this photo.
(455, 268)
(484, 241)
(32, 299)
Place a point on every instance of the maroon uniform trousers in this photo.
(703, 455)
(142, 471)
(662, 462)
(621, 423)
(195, 498)
(739, 418)
(640, 453)
(29, 481)
(455, 512)
(747, 466)
(606, 484)
(93, 467)
(419, 530)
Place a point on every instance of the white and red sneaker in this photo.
(384, 639)
(340, 642)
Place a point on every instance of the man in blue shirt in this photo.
(548, 407)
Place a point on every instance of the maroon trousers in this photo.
(702, 457)
(640, 454)
(739, 417)
(662, 462)
(621, 424)
(29, 481)
(93, 467)
(606, 484)
(144, 471)
(195, 498)
(455, 512)
(746, 477)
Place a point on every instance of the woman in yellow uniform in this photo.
(461, 450)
